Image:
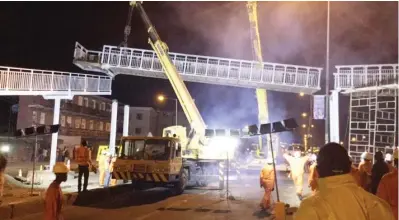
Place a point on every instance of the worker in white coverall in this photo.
(297, 164)
(338, 196)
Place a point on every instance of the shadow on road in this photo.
(120, 197)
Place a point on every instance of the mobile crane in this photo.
(261, 94)
(175, 159)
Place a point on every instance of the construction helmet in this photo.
(60, 167)
(366, 156)
(388, 157)
(269, 160)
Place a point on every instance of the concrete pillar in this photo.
(126, 120)
(112, 134)
(221, 175)
(334, 117)
(54, 136)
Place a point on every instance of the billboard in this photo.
(319, 107)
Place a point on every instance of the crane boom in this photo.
(161, 49)
(261, 94)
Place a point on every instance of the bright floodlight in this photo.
(161, 98)
(219, 147)
(303, 126)
(304, 114)
(301, 94)
(5, 148)
(353, 139)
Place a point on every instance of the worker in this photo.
(355, 172)
(388, 190)
(109, 167)
(3, 165)
(338, 196)
(364, 169)
(267, 183)
(101, 166)
(380, 168)
(395, 157)
(53, 195)
(388, 161)
(297, 164)
(82, 157)
(313, 175)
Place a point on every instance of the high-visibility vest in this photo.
(82, 156)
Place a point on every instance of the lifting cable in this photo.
(128, 27)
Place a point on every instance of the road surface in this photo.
(154, 204)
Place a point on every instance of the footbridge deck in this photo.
(202, 69)
(22, 81)
(357, 78)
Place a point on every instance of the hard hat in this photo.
(60, 167)
(388, 157)
(297, 154)
(366, 156)
(269, 160)
(313, 157)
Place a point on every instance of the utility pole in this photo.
(327, 99)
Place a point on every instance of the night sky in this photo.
(42, 35)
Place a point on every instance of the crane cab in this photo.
(153, 160)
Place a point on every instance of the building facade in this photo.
(89, 118)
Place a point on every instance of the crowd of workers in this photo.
(339, 189)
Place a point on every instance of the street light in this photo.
(304, 126)
(301, 94)
(162, 98)
(312, 126)
(304, 114)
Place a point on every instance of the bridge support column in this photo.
(334, 116)
(112, 134)
(54, 136)
(126, 120)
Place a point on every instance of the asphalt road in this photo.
(153, 204)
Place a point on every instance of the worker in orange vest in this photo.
(388, 190)
(82, 157)
(388, 160)
(3, 165)
(364, 168)
(267, 183)
(313, 176)
(53, 195)
(355, 172)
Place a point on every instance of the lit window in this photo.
(101, 126)
(102, 106)
(86, 102)
(91, 124)
(69, 121)
(34, 117)
(63, 120)
(108, 126)
(42, 118)
(93, 103)
(78, 122)
(83, 125)
(80, 100)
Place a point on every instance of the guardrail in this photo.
(13, 79)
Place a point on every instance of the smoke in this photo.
(292, 33)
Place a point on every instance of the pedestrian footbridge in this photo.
(114, 60)
(22, 81)
(373, 107)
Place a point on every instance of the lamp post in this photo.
(162, 98)
(327, 109)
